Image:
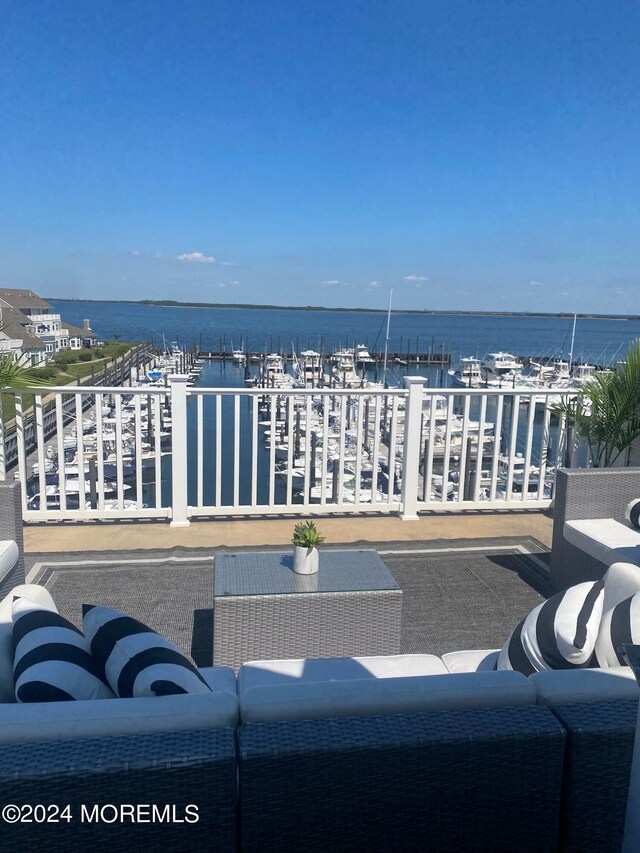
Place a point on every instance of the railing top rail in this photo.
(503, 392)
(86, 389)
(260, 392)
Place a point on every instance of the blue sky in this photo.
(468, 154)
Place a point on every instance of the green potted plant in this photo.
(306, 539)
(606, 412)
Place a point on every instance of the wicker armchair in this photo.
(586, 493)
(11, 528)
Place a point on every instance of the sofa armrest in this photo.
(174, 770)
(582, 493)
(11, 528)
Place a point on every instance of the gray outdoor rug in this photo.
(456, 595)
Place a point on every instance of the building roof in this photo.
(22, 299)
(77, 332)
(12, 326)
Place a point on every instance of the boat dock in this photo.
(430, 358)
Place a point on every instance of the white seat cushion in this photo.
(9, 554)
(32, 592)
(471, 661)
(67, 720)
(557, 687)
(365, 697)
(273, 672)
(604, 539)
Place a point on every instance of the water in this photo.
(600, 341)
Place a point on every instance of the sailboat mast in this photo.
(386, 341)
(573, 337)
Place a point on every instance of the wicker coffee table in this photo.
(264, 611)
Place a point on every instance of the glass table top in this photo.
(271, 573)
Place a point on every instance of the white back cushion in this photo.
(558, 687)
(362, 698)
(298, 670)
(32, 592)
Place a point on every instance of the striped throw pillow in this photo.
(135, 660)
(52, 661)
(632, 513)
(558, 634)
(619, 625)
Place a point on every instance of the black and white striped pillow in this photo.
(632, 513)
(558, 634)
(619, 626)
(52, 661)
(135, 660)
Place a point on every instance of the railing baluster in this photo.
(343, 425)
(497, 436)
(138, 449)
(376, 449)
(157, 423)
(272, 449)
(528, 447)
(254, 450)
(236, 450)
(62, 479)
(464, 449)
(290, 445)
(307, 451)
(22, 455)
(360, 402)
(391, 461)
(428, 474)
(100, 451)
(544, 444)
(218, 450)
(513, 444)
(80, 452)
(482, 424)
(446, 458)
(119, 483)
(325, 449)
(200, 448)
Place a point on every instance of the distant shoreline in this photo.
(170, 303)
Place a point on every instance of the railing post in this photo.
(412, 442)
(178, 395)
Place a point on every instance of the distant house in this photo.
(29, 319)
(80, 338)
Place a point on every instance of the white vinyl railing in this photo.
(182, 452)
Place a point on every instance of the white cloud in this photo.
(222, 284)
(414, 278)
(374, 284)
(135, 252)
(234, 282)
(331, 282)
(228, 264)
(196, 258)
(535, 284)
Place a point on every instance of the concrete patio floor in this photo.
(114, 536)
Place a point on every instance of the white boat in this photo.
(272, 372)
(502, 366)
(308, 368)
(343, 370)
(363, 356)
(468, 374)
(238, 356)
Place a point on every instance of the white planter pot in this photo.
(305, 560)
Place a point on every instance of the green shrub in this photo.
(49, 371)
(64, 358)
(85, 355)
